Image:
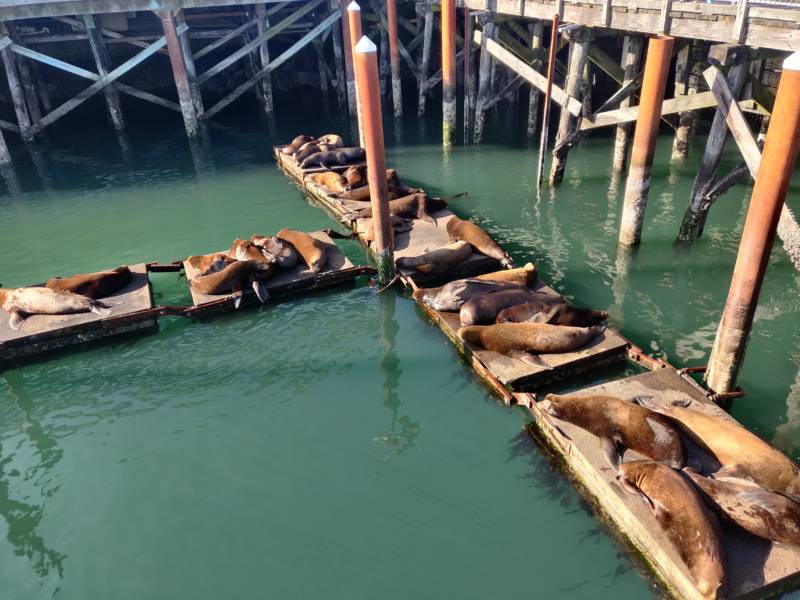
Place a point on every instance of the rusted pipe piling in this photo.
(179, 73)
(659, 55)
(394, 57)
(448, 71)
(354, 28)
(366, 55)
(766, 202)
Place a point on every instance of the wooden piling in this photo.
(551, 63)
(176, 59)
(468, 79)
(263, 55)
(26, 78)
(369, 90)
(188, 60)
(384, 57)
(349, 67)
(103, 67)
(536, 30)
(427, 38)
(680, 145)
(5, 155)
(394, 57)
(338, 61)
(15, 88)
(631, 58)
(579, 47)
(448, 71)
(659, 55)
(354, 29)
(766, 202)
(484, 83)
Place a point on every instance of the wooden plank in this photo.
(739, 25)
(531, 76)
(109, 33)
(233, 33)
(664, 19)
(606, 63)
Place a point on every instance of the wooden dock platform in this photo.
(43, 333)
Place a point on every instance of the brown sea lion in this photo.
(285, 256)
(483, 310)
(439, 261)
(333, 182)
(362, 194)
(356, 177)
(210, 263)
(765, 514)
(93, 285)
(526, 275)
(522, 340)
(451, 296)
(414, 206)
(247, 250)
(312, 251)
(458, 229)
(690, 526)
(741, 453)
(620, 425)
(331, 139)
(555, 313)
(295, 144)
(233, 277)
(310, 149)
(332, 158)
(20, 303)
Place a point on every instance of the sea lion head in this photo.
(631, 474)
(556, 405)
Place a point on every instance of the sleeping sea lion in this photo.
(295, 144)
(526, 275)
(690, 526)
(437, 262)
(331, 181)
(210, 263)
(620, 425)
(356, 177)
(522, 340)
(310, 149)
(20, 303)
(458, 229)
(247, 250)
(233, 277)
(414, 206)
(331, 139)
(93, 285)
(362, 194)
(765, 514)
(741, 453)
(555, 313)
(331, 158)
(483, 310)
(453, 295)
(312, 251)
(283, 253)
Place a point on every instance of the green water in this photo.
(334, 446)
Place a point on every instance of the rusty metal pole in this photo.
(369, 88)
(349, 69)
(394, 57)
(180, 74)
(448, 71)
(656, 69)
(354, 26)
(766, 202)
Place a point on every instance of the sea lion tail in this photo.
(100, 308)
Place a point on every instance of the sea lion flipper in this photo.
(612, 452)
(260, 288)
(646, 402)
(529, 358)
(15, 320)
(100, 308)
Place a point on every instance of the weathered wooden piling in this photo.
(659, 55)
(448, 71)
(338, 61)
(26, 77)
(551, 64)
(394, 58)
(265, 86)
(349, 67)
(369, 90)
(631, 59)
(468, 79)
(766, 202)
(15, 88)
(5, 155)
(535, 30)
(188, 60)
(484, 82)
(427, 38)
(176, 59)
(354, 29)
(680, 145)
(103, 67)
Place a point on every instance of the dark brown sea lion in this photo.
(555, 313)
(332, 158)
(526, 275)
(522, 340)
(311, 250)
(285, 256)
(310, 149)
(20, 303)
(458, 229)
(93, 285)
(690, 526)
(356, 177)
(295, 144)
(453, 295)
(233, 277)
(333, 182)
(766, 514)
(439, 261)
(740, 452)
(414, 206)
(210, 263)
(483, 310)
(620, 425)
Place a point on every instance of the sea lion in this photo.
(522, 340)
(555, 313)
(331, 181)
(20, 303)
(331, 139)
(396, 222)
(247, 250)
(362, 194)
(310, 149)
(741, 453)
(690, 526)
(312, 251)
(620, 425)
(526, 275)
(93, 285)
(483, 310)
(451, 296)
(211, 263)
(295, 144)
(232, 278)
(283, 253)
(356, 177)
(330, 158)
(414, 206)
(765, 514)
(458, 229)
(437, 262)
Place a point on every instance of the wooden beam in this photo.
(26, 78)
(109, 33)
(103, 67)
(606, 63)
(233, 33)
(15, 86)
